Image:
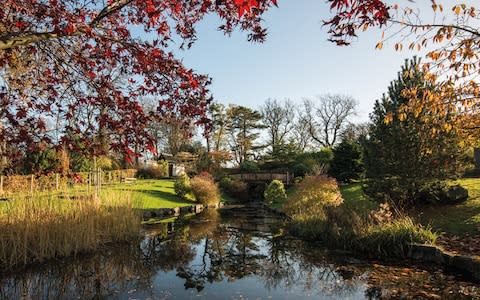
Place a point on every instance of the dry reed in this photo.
(33, 229)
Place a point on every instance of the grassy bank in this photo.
(153, 194)
(343, 217)
(63, 223)
(456, 219)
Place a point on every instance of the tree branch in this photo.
(31, 38)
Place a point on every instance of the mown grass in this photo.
(456, 219)
(145, 194)
(153, 194)
(354, 198)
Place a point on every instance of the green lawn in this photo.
(154, 194)
(146, 194)
(456, 219)
(355, 199)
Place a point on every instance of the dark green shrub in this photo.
(441, 193)
(256, 192)
(275, 192)
(434, 192)
(234, 188)
(225, 183)
(182, 186)
(404, 193)
(312, 163)
(249, 166)
(300, 170)
(347, 162)
(205, 190)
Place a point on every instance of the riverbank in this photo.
(458, 225)
(230, 254)
(363, 226)
(42, 226)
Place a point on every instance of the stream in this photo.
(234, 253)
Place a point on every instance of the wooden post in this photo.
(1, 184)
(57, 183)
(31, 184)
(99, 179)
(88, 182)
(95, 178)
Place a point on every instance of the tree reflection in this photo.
(205, 250)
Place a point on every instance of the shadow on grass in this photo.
(160, 199)
(161, 195)
(457, 219)
(355, 199)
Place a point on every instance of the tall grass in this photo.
(33, 229)
(393, 238)
(318, 213)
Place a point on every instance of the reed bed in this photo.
(36, 228)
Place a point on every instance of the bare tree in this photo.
(300, 135)
(326, 117)
(169, 133)
(278, 118)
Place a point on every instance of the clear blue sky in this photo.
(295, 62)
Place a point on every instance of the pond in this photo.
(233, 254)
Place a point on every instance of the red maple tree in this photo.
(73, 72)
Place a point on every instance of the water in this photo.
(234, 255)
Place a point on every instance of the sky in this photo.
(295, 62)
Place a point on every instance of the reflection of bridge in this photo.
(286, 178)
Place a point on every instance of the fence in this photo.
(32, 184)
(263, 177)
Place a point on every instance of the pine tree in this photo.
(403, 147)
(347, 161)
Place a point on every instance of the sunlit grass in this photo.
(35, 229)
(354, 198)
(458, 219)
(153, 194)
(455, 219)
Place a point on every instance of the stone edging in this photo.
(176, 211)
(468, 265)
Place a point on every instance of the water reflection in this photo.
(223, 256)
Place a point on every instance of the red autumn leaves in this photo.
(246, 5)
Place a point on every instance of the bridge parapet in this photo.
(286, 178)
